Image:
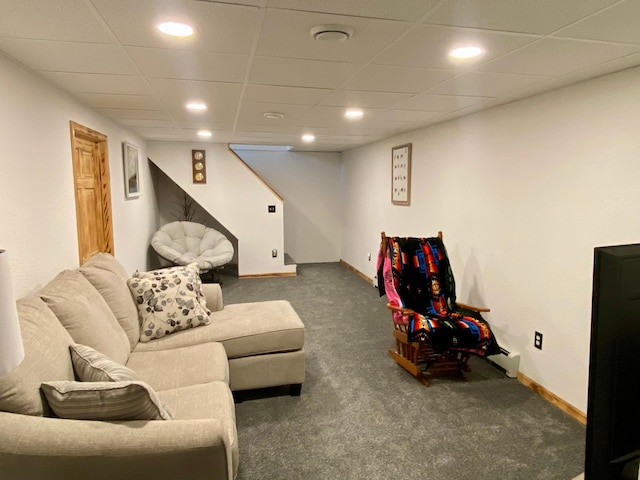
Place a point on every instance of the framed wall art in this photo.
(130, 157)
(401, 174)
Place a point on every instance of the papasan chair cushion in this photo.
(183, 243)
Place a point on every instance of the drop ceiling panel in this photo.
(482, 84)
(514, 15)
(617, 24)
(122, 114)
(555, 57)
(194, 90)
(190, 65)
(379, 78)
(132, 102)
(100, 83)
(253, 113)
(44, 55)
(220, 110)
(70, 20)
(300, 73)
(218, 27)
(286, 33)
(438, 103)
(408, 10)
(132, 122)
(291, 95)
(428, 46)
(351, 98)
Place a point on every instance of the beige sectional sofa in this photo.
(191, 373)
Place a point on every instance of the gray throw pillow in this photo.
(92, 366)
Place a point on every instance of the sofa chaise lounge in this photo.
(190, 373)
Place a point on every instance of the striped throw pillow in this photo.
(108, 401)
(92, 366)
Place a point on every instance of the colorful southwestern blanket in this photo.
(417, 275)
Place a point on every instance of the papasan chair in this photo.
(182, 243)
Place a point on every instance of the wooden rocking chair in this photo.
(421, 359)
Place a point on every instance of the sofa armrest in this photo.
(52, 448)
(213, 294)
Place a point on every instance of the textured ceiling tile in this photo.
(292, 95)
(300, 73)
(408, 10)
(539, 16)
(133, 102)
(616, 24)
(380, 78)
(100, 83)
(218, 27)
(480, 84)
(351, 98)
(438, 103)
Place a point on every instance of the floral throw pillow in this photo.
(169, 300)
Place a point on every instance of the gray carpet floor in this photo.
(361, 416)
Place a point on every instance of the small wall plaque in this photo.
(401, 175)
(199, 166)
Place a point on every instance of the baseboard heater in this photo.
(507, 361)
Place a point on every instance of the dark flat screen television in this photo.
(613, 408)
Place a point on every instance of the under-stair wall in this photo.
(236, 197)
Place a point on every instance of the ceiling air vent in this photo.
(331, 33)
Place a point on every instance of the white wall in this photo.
(38, 220)
(235, 197)
(523, 193)
(309, 182)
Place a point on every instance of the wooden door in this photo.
(92, 192)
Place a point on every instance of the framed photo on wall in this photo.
(130, 157)
(401, 174)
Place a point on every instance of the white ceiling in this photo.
(249, 57)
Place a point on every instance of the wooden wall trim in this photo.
(255, 174)
(269, 275)
(553, 398)
(355, 270)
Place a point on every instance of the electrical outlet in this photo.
(369, 256)
(274, 253)
(272, 209)
(537, 341)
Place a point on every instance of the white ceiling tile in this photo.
(133, 102)
(69, 57)
(539, 16)
(133, 122)
(190, 65)
(100, 83)
(408, 10)
(218, 110)
(286, 33)
(352, 98)
(407, 115)
(554, 57)
(437, 103)
(193, 90)
(379, 78)
(211, 125)
(218, 27)
(428, 46)
(616, 24)
(275, 94)
(482, 84)
(253, 113)
(122, 114)
(70, 20)
(300, 73)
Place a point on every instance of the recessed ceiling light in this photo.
(466, 52)
(331, 33)
(273, 115)
(353, 113)
(204, 133)
(308, 137)
(196, 106)
(176, 29)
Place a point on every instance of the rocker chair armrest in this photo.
(470, 307)
(404, 311)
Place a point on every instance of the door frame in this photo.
(100, 141)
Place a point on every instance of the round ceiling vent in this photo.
(331, 33)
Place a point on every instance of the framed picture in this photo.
(130, 154)
(401, 174)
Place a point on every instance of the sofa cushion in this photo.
(244, 329)
(92, 366)
(107, 276)
(209, 400)
(46, 358)
(104, 401)
(169, 300)
(179, 367)
(86, 315)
